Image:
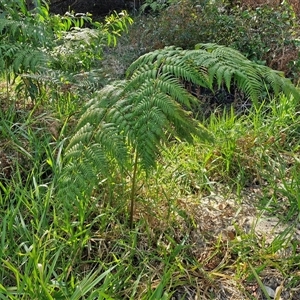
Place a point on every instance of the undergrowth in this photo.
(196, 208)
(178, 248)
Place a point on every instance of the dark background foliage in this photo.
(95, 7)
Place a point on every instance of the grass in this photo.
(190, 238)
(197, 216)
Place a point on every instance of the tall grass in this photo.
(56, 250)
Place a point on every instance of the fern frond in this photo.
(24, 32)
(79, 82)
(21, 58)
(171, 86)
(147, 138)
(140, 112)
(210, 65)
(230, 66)
(170, 60)
(149, 59)
(82, 136)
(113, 143)
(83, 170)
(278, 82)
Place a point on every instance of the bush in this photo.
(264, 34)
(37, 47)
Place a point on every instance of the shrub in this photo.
(264, 34)
(35, 43)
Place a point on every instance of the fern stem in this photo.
(133, 189)
(7, 82)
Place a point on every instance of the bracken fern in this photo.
(138, 114)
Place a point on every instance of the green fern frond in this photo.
(170, 60)
(187, 73)
(230, 66)
(83, 171)
(28, 59)
(171, 86)
(210, 65)
(82, 136)
(79, 82)
(138, 114)
(21, 57)
(113, 142)
(147, 138)
(278, 82)
(226, 53)
(13, 26)
(24, 32)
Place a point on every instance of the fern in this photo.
(82, 83)
(138, 114)
(25, 30)
(35, 45)
(20, 58)
(230, 66)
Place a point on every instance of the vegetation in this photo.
(120, 186)
(266, 33)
